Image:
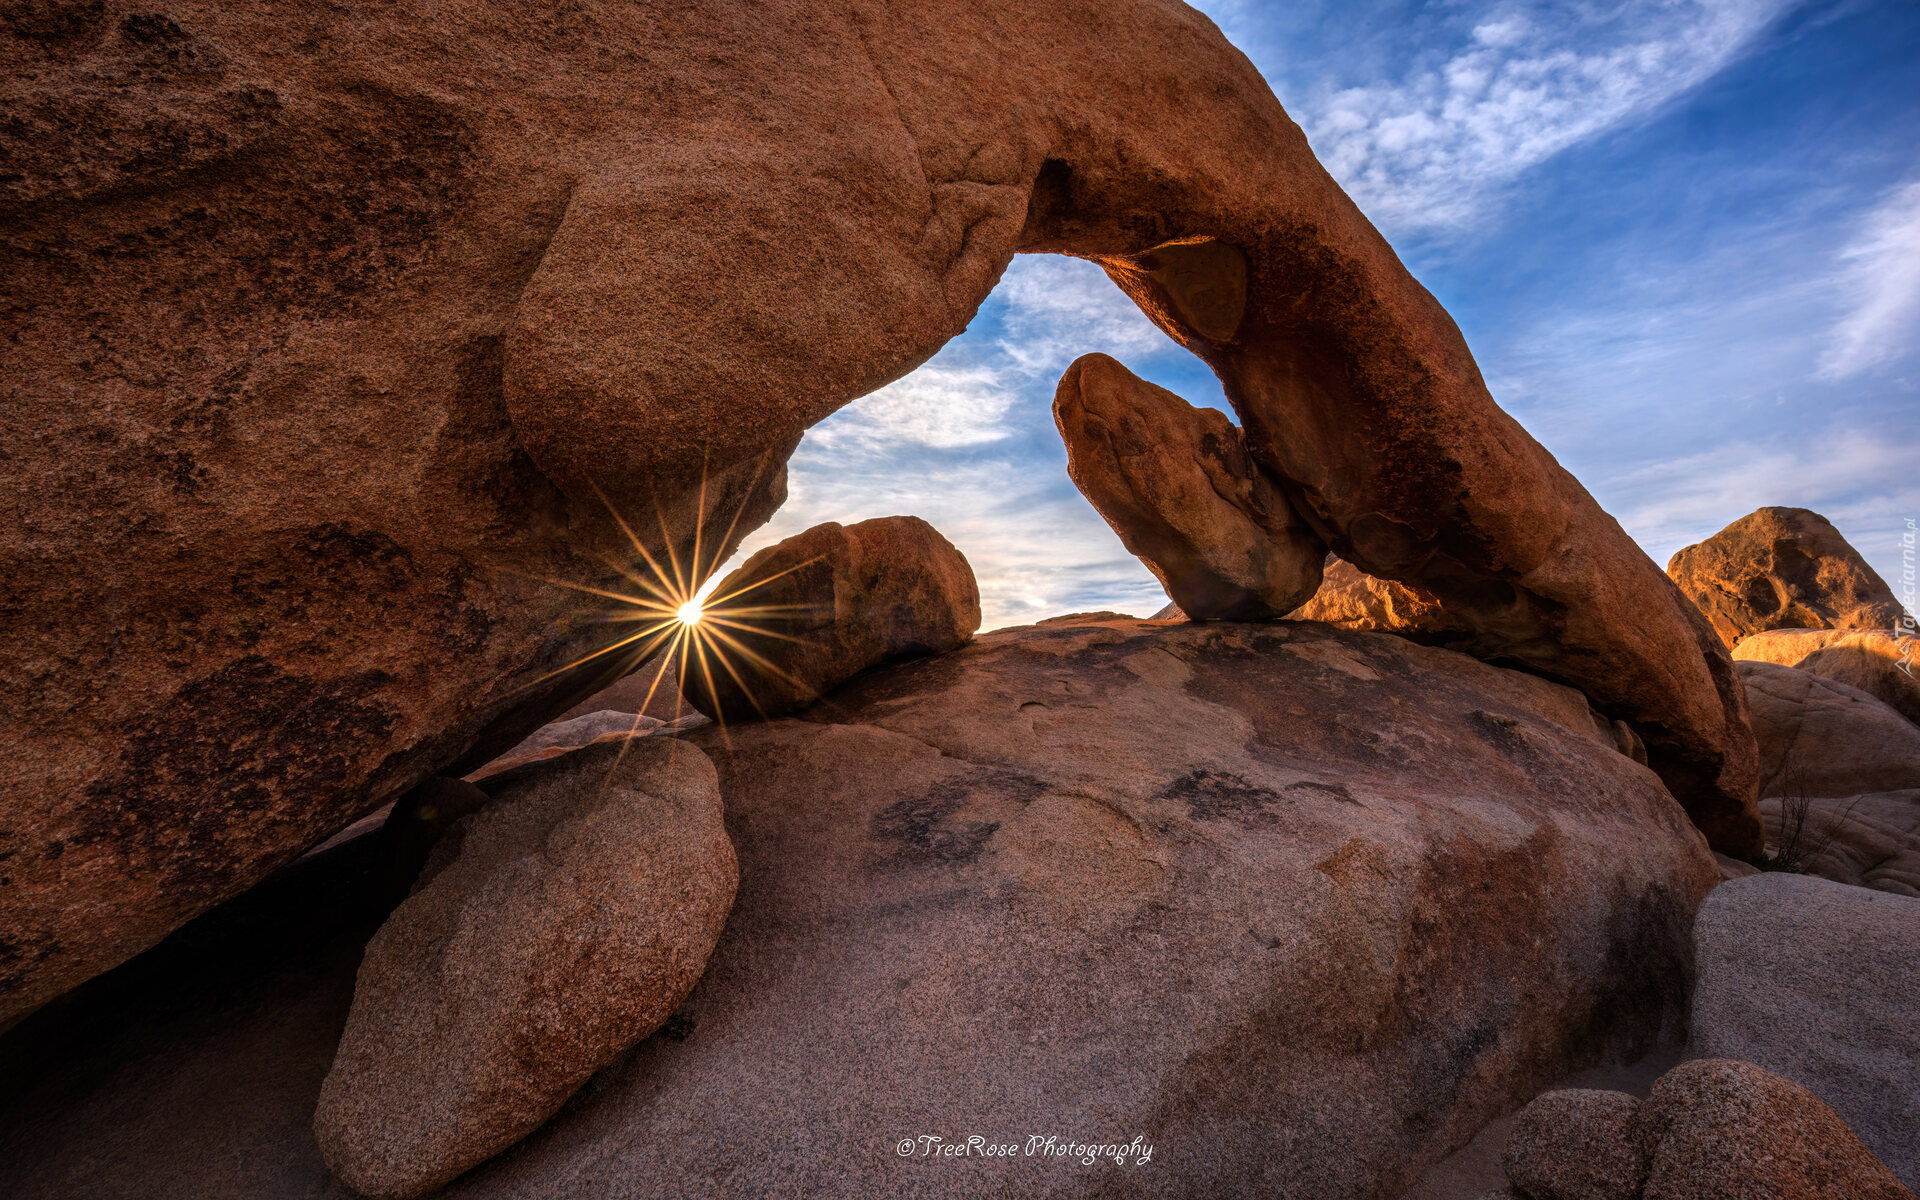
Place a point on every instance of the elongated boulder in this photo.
(1178, 486)
(552, 930)
(331, 328)
(1819, 737)
(1876, 662)
(805, 615)
(1782, 568)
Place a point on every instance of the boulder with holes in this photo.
(1782, 568)
(281, 550)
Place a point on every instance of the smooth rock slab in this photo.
(1304, 908)
(1871, 840)
(1820, 737)
(1817, 981)
(552, 930)
(1876, 662)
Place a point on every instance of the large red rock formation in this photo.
(1094, 879)
(329, 328)
(1783, 568)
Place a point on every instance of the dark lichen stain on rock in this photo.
(1338, 791)
(1223, 795)
(249, 745)
(923, 830)
(1506, 735)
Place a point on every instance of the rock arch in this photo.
(837, 258)
(327, 329)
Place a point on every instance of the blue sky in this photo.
(1682, 238)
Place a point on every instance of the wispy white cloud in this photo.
(1881, 276)
(1060, 308)
(1866, 481)
(967, 443)
(1423, 146)
(1037, 549)
(941, 405)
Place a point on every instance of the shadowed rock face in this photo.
(1178, 486)
(1819, 737)
(327, 326)
(1783, 568)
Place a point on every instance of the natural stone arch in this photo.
(329, 331)
(1135, 136)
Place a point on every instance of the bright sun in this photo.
(689, 613)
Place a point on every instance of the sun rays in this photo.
(669, 609)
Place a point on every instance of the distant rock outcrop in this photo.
(1352, 599)
(802, 617)
(1815, 981)
(1178, 485)
(1876, 662)
(551, 931)
(1782, 568)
